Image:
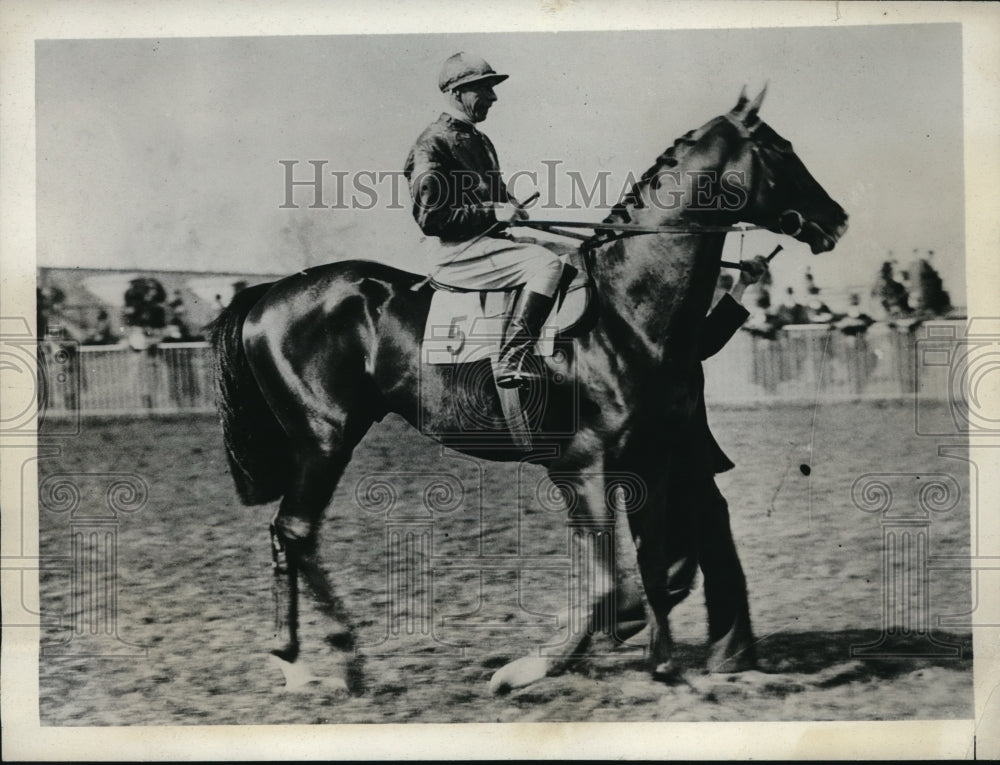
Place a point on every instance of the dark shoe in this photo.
(522, 334)
(733, 652)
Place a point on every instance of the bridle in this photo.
(790, 222)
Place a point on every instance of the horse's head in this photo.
(736, 169)
(777, 191)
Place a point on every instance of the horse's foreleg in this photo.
(590, 606)
(666, 541)
(630, 603)
(666, 586)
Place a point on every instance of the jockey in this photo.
(454, 180)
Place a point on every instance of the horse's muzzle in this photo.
(819, 238)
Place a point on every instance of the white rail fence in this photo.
(116, 380)
(803, 363)
(817, 362)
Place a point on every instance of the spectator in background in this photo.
(174, 332)
(904, 279)
(145, 304)
(758, 299)
(762, 300)
(930, 297)
(809, 282)
(145, 313)
(177, 307)
(722, 286)
(103, 333)
(790, 310)
(48, 309)
(818, 312)
(855, 321)
(890, 294)
(177, 328)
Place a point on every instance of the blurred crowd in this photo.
(902, 298)
(147, 308)
(148, 311)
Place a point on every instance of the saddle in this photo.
(467, 325)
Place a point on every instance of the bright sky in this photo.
(165, 154)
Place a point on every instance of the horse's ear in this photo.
(755, 106)
(742, 101)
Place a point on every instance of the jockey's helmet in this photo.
(465, 69)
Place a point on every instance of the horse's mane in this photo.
(670, 158)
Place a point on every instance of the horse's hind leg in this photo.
(294, 537)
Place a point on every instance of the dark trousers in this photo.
(694, 532)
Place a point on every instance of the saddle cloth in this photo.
(467, 326)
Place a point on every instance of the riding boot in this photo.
(522, 334)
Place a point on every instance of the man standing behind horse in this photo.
(456, 186)
(697, 533)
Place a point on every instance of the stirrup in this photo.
(516, 376)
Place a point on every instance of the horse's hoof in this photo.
(667, 672)
(519, 673)
(297, 675)
(341, 641)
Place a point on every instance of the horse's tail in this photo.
(256, 444)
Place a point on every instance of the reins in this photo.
(612, 232)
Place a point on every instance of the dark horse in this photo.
(306, 365)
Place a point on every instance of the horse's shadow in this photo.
(833, 657)
(882, 655)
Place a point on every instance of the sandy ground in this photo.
(194, 578)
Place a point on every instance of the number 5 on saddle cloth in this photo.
(465, 326)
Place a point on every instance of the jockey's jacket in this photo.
(702, 454)
(452, 171)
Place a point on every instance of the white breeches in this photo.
(495, 263)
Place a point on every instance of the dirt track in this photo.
(194, 586)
